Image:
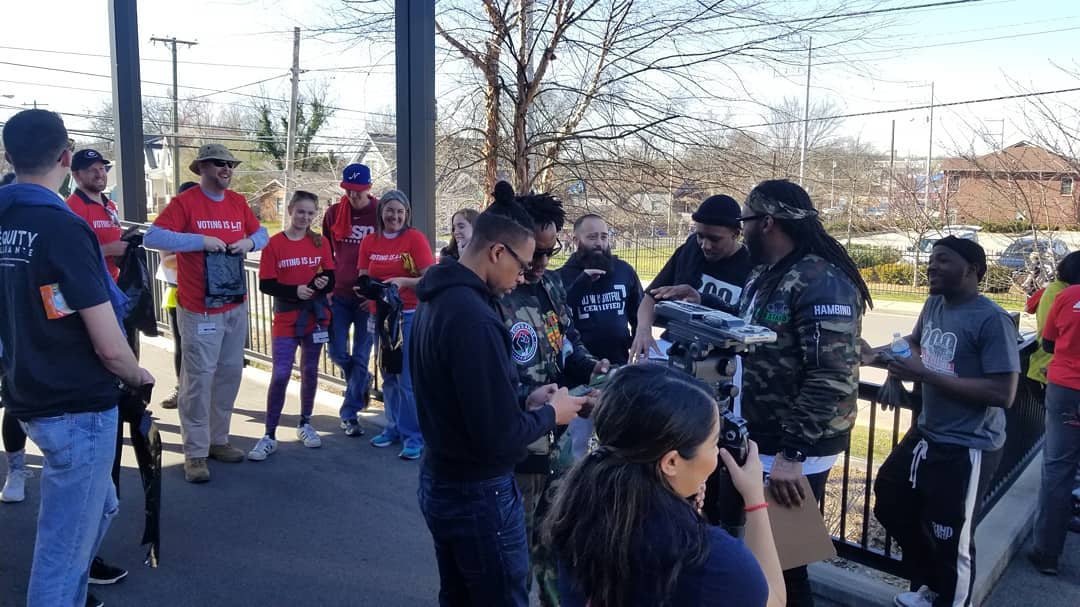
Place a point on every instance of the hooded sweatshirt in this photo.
(50, 268)
(605, 309)
(475, 426)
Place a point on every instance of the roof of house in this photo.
(1021, 157)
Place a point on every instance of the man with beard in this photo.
(710, 268)
(603, 291)
(965, 355)
(210, 228)
(799, 394)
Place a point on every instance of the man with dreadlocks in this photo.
(799, 393)
(547, 350)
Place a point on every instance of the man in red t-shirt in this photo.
(200, 224)
(345, 225)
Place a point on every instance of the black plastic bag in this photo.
(225, 282)
(146, 441)
(137, 284)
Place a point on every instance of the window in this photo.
(1066, 186)
(954, 183)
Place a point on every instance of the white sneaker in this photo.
(263, 448)
(310, 437)
(15, 486)
(923, 597)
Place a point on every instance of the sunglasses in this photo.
(552, 252)
(224, 163)
(523, 267)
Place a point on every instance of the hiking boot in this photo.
(1043, 564)
(170, 403)
(352, 428)
(102, 573)
(308, 436)
(262, 449)
(195, 470)
(226, 453)
(923, 597)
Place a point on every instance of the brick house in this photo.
(1021, 182)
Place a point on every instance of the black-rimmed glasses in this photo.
(524, 267)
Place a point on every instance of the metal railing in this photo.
(848, 505)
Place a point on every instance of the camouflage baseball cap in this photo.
(764, 204)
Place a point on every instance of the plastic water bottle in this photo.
(900, 347)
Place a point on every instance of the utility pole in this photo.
(290, 141)
(892, 161)
(34, 104)
(172, 42)
(806, 111)
(929, 152)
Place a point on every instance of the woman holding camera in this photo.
(623, 526)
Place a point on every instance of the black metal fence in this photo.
(848, 506)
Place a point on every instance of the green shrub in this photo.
(893, 274)
(867, 257)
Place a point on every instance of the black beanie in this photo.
(969, 250)
(719, 210)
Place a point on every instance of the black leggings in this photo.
(14, 437)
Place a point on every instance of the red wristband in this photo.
(757, 507)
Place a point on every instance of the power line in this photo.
(864, 13)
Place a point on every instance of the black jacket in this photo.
(473, 423)
(720, 282)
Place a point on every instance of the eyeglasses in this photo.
(552, 252)
(524, 267)
(224, 163)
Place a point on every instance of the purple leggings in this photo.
(284, 355)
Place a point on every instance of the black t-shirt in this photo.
(720, 282)
(50, 268)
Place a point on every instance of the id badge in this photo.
(206, 328)
(320, 337)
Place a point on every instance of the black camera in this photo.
(723, 503)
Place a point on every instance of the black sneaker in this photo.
(1043, 564)
(93, 601)
(102, 573)
(170, 403)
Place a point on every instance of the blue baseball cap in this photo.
(356, 177)
(84, 159)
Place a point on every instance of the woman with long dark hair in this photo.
(622, 525)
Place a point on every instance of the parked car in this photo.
(1018, 253)
(920, 253)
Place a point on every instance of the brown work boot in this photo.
(195, 470)
(226, 453)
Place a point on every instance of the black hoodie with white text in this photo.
(605, 310)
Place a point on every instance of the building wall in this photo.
(981, 198)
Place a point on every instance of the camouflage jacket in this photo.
(801, 391)
(545, 345)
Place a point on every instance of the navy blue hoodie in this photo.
(465, 380)
(605, 309)
(50, 268)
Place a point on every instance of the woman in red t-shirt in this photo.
(398, 254)
(298, 270)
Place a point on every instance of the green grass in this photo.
(860, 441)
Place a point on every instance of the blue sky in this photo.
(888, 71)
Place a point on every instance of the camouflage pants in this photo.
(537, 492)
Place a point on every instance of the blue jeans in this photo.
(480, 542)
(78, 499)
(349, 314)
(399, 398)
(1061, 454)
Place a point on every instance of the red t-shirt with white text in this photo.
(1063, 328)
(293, 262)
(103, 220)
(385, 258)
(192, 212)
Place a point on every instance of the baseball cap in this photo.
(356, 177)
(83, 159)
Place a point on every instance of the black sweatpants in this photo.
(927, 496)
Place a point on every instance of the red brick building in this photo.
(1021, 182)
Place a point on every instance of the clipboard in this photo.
(799, 533)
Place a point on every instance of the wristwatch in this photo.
(792, 454)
